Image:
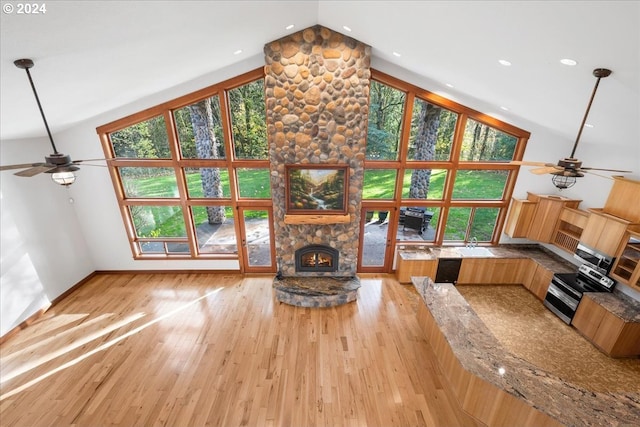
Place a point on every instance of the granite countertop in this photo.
(481, 354)
(618, 304)
(538, 253)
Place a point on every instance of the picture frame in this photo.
(317, 189)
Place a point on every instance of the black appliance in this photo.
(566, 289)
(594, 258)
(415, 218)
(448, 270)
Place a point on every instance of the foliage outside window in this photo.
(175, 174)
(145, 140)
(432, 131)
(248, 121)
(454, 160)
(386, 105)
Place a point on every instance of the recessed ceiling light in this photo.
(397, 54)
(504, 108)
(504, 62)
(588, 125)
(449, 85)
(346, 28)
(289, 27)
(568, 61)
(237, 52)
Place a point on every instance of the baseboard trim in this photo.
(38, 314)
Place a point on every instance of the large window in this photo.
(192, 175)
(446, 162)
(179, 188)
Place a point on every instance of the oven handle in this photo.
(566, 289)
(555, 291)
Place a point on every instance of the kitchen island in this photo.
(499, 388)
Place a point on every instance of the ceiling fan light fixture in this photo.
(64, 178)
(563, 182)
(64, 175)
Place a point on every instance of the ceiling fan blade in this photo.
(35, 170)
(606, 170)
(525, 163)
(88, 160)
(22, 166)
(546, 169)
(596, 174)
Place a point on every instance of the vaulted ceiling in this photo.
(94, 57)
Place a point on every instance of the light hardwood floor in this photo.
(207, 349)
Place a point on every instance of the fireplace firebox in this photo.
(316, 258)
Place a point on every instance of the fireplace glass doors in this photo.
(316, 258)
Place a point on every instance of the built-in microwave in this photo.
(598, 260)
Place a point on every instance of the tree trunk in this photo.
(425, 149)
(207, 147)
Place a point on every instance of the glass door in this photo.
(375, 255)
(258, 248)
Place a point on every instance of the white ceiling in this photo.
(94, 57)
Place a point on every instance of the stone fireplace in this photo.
(317, 258)
(317, 92)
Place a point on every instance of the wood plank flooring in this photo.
(218, 350)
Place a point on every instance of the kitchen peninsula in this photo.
(498, 387)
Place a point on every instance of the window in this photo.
(192, 173)
(386, 106)
(179, 187)
(452, 162)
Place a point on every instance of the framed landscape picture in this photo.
(317, 189)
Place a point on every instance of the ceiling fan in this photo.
(59, 165)
(568, 169)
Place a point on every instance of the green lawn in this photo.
(163, 221)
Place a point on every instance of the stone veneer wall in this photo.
(317, 95)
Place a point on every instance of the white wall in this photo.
(44, 252)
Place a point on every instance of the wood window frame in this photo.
(453, 165)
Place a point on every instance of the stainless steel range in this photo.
(566, 289)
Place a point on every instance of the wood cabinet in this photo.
(492, 271)
(536, 218)
(408, 267)
(611, 334)
(520, 216)
(627, 266)
(605, 232)
(539, 281)
(546, 216)
(569, 228)
(624, 199)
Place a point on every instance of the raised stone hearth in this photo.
(316, 291)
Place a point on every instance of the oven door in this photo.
(562, 300)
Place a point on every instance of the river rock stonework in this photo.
(317, 93)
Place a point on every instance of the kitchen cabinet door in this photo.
(408, 268)
(491, 271)
(519, 219)
(607, 331)
(546, 216)
(604, 232)
(540, 282)
(588, 318)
